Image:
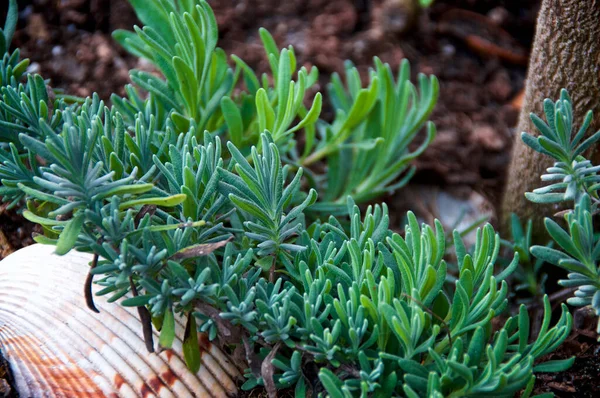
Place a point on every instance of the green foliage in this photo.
(578, 245)
(366, 146)
(232, 238)
(10, 24)
(578, 255)
(12, 68)
(529, 274)
(259, 192)
(370, 134)
(575, 175)
(180, 39)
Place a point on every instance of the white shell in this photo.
(57, 347)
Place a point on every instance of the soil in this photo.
(478, 58)
(581, 380)
(6, 380)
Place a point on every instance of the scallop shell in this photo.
(57, 347)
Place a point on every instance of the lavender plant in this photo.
(574, 180)
(530, 276)
(224, 236)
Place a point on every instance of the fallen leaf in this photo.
(198, 250)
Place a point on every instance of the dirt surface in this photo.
(6, 381)
(581, 380)
(15, 231)
(478, 54)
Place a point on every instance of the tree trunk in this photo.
(565, 54)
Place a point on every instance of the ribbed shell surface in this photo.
(57, 347)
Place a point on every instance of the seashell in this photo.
(57, 347)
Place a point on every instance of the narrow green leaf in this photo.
(11, 22)
(167, 332)
(169, 201)
(549, 255)
(42, 196)
(331, 383)
(559, 365)
(266, 114)
(191, 348)
(153, 14)
(136, 301)
(42, 220)
(134, 189)
(68, 236)
(233, 118)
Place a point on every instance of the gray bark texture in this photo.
(565, 54)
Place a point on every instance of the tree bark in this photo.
(565, 54)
